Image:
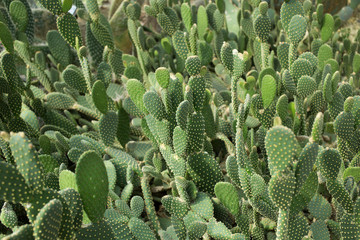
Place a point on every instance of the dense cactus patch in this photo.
(229, 120)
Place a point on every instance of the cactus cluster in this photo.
(229, 121)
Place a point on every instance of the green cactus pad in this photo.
(203, 206)
(319, 230)
(268, 90)
(227, 56)
(319, 207)
(69, 29)
(325, 53)
(137, 206)
(6, 38)
(175, 163)
(288, 10)
(298, 227)
(108, 127)
(149, 204)
(283, 55)
(281, 189)
(27, 160)
(281, 147)
(306, 86)
(297, 28)
(175, 206)
(337, 105)
(311, 58)
(228, 195)
(102, 33)
(344, 125)
(300, 68)
(186, 16)
(204, 180)
(95, 231)
(195, 132)
(73, 76)
(218, 230)
(9, 71)
(329, 162)
(162, 77)
(19, 14)
(140, 230)
(99, 96)
(179, 141)
(327, 27)
(47, 223)
(93, 9)
(92, 182)
(306, 163)
(163, 131)
(197, 85)
(338, 191)
(262, 27)
(197, 230)
(349, 228)
(247, 26)
(93, 45)
(166, 24)
(8, 216)
(282, 107)
(179, 43)
(154, 105)
(289, 82)
(74, 203)
(59, 101)
(232, 170)
(53, 6)
(327, 88)
(202, 21)
(136, 91)
(193, 65)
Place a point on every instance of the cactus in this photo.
(90, 162)
(216, 133)
(47, 223)
(8, 216)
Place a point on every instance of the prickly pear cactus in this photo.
(224, 120)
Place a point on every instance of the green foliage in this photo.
(107, 127)
(262, 27)
(136, 91)
(281, 147)
(69, 29)
(329, 162)
(26, 158)
(227, 194)
(47, 223)
(297, 28)
(92, 182)
(162, 77)
(327, 27)
(154, 105)
(216, 131)
(99, 96)
(6, 37)
(268, 90)
(8, 216)
(201, 175)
